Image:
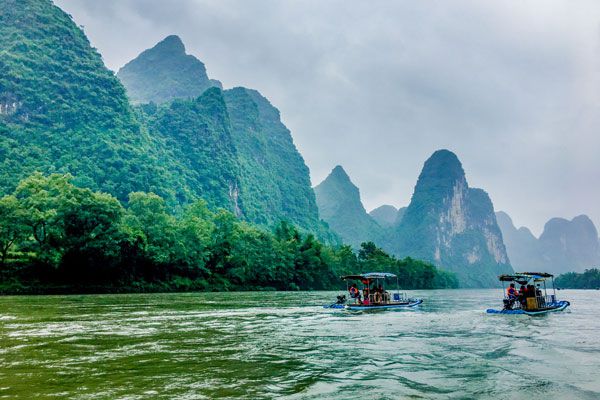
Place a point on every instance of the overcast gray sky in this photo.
(512, 87)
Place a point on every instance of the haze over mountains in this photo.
(563, 246)
(387, 215)
(340, 206)
(455, 227)
(165, 72)
(66, 112)
(62, 110)
(447, 222)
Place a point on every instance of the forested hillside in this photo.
(57, 237)
(255, 160)
(202, 192)
(275, 181)
(341, 207)
(197, 134)
(62, 110)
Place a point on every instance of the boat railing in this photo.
(400, 297)
(387, 297)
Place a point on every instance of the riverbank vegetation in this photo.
(57, 237)
(590, 279)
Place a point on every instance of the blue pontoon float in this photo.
(373, 295)
(531, 301)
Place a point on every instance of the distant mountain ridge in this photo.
(563, 246)
(340, 206)
(447, 222)
(387, 216)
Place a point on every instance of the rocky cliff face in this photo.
(165, 72)
(564, 246)
(340, 206)
(452, 225)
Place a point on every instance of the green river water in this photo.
(285, 345)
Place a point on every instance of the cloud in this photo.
(511, 86)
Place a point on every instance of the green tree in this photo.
(13, 226)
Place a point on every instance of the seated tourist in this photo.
(355, 293)
(511, 292)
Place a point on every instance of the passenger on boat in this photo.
(523, 295)
(380, 294)
(523, 291)
(511, 292)
(512, 295)
(355, 293)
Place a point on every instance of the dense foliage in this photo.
(164, 73)
(273, 174)
(197, 134)
(55, 236)
(590, 279)
(62, 110)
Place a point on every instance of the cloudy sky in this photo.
(512, 87)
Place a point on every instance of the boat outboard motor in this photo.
(341, 299)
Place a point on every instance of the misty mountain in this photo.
(62, 110)
(452, 225)
(387, 216)
(521, 245)
(563, 246)
(165, 72)
(340, 206)
(446, 223)
(237, 146)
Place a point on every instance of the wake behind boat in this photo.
(529, 299)
(373, 295)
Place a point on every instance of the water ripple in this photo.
(284, 345)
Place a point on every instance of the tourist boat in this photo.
(533, 301)
(371, 298)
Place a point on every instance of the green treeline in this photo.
(590, 279)
(57, 237)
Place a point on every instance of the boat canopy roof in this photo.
(525, 276)
(370, 275)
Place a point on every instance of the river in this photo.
(285, 345)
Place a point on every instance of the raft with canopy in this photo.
(373, 295)
(532, 298)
